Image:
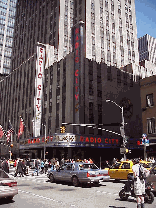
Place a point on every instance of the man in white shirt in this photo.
(139, 184)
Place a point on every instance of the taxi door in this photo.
(125, 169)
(114, 171)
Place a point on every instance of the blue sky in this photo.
(146, 17)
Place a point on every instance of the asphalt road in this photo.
(37, 191)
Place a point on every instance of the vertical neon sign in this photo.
(77, 71)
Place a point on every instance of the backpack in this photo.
(142, 174)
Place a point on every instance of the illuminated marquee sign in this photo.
(40, 63)
(99, 140)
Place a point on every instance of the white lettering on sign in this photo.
(40, 64)
(65, 138)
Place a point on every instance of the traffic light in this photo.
(11, 145)
(127, 150)
(62, 129)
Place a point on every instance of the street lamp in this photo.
(122, 127)
(44, 141)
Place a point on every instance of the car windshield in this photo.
(88, 166)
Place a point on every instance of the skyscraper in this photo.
(74, 89)
(110, 33)
(147, 48)
(7, 19)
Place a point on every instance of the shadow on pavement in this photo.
(43, 187)
(128, 200)
(6, 201)
(116, 207)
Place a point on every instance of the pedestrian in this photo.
(46, 165)
(42, 166)
(36, 167)
(139, 183)
(52, 163)
(28, 165)
(62, 161)
(5, 166)
(20, 168)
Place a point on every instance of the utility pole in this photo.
(122, 128)
(44, 142)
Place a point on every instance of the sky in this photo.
(146, 17)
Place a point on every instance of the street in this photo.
(37, 191)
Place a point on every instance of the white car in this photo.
(8, 186)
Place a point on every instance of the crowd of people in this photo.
(22, 166)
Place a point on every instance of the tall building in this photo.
(65, 65)
(7, 19)
(110, 33)
(147, 55)
(147, 48)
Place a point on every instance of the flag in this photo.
(1, 131)
(10, 131)
(21, 128)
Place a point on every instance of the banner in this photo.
(1, 131)
(21, 128)
(10, 131)
(40, 65)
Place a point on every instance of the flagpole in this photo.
(10, 146)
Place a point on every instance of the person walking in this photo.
(20, 168)
(139, 183)
(46, 164)
(36, 167)
(5, 166)
(42, 166)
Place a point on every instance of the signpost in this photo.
(145, 142)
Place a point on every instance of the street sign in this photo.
(144, 135)
(145, 140)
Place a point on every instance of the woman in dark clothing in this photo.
(5, 166)
(20, 168)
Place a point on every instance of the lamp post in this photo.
(122, 127)
(44, 142)
(44, 149)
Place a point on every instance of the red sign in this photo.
(98, 140)
(77, 60)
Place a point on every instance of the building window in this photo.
(149, 100)
(151, 126)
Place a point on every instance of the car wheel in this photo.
(123, 195)
(149, 197)
(51, 177)
(75, 181)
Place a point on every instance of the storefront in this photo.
(71, 146)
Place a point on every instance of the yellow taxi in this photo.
(120, 170)
(146, 164)
(11, 163)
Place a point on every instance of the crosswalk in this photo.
(41, 178)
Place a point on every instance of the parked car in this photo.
(152, 177)
(121, 170)
(8, 187)
(78, 173)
